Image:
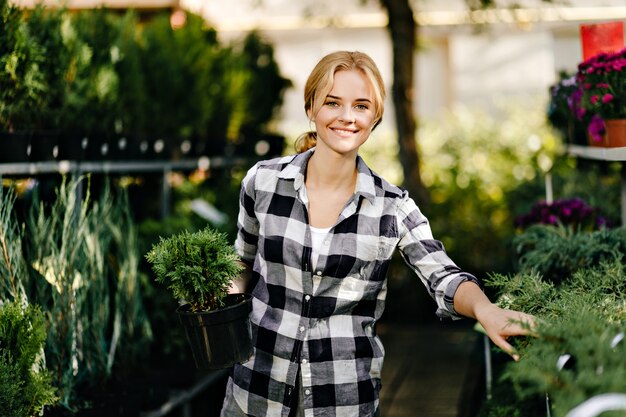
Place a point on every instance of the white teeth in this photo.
(343, 132)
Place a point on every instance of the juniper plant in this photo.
(196, 267)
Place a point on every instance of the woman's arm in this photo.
(499, 323)
(240, 285)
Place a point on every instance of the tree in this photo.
(403, 31)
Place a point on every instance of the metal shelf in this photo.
(599, 153)
(64, 167)
(165, 167)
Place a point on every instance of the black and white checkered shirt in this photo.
(327, 334)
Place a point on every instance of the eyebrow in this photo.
(339, 98)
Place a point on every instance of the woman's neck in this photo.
(331, 172)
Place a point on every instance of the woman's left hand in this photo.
(500, 324)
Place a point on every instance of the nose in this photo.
(347, 115)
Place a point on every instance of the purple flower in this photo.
(573, 212)
(596, 128)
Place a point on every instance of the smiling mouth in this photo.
(343, 132)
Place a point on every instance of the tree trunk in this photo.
(403, 30)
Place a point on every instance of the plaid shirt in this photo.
(328, 334)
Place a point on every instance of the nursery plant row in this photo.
(96, 84)
(574, 282)
(72, 310)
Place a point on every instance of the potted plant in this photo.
(198, 268)
(562, 110)
(26, 387)
(602, 81)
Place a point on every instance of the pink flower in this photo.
(596, 128)
(607, 98)
(594, 99)
(603, 85)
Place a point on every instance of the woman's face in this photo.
(346, 118)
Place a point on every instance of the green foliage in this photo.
(196, 267)
(581, 318)
(13, 268)
(84, 263)
(180, 69)
(92, 103)
(524, 292)
(265, 86)
(24, 389)
(22, 83)
(134, 119)
(472, 164)
(99, 73)
(44, 29)
(556, 253)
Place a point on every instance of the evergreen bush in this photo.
(198, 268)
(578, 350)
(25, 385)
(557, 252)
(22, 83)
(96, 73)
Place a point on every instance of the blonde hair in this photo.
(320, 83)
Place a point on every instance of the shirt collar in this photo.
(296, 169)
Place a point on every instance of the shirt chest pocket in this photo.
(357, 259)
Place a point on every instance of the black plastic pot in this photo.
(219, 338)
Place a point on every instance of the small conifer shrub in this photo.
(196, 267)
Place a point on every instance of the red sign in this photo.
(601, 37)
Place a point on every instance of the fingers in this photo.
(506, 346)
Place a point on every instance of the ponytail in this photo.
(306, 141)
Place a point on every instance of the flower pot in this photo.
(599, 143)
(222, 337)
(615, 133)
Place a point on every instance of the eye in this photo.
(362, 106)
(331, 103)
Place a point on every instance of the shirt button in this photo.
(304, 361)
(318, 273)
(307, 392)
(307, 297)
(301, 328)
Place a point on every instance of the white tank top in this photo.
(317, 240)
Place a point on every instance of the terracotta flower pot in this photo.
(615, 133)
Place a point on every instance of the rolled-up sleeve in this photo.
(428, 259)
(247, 223)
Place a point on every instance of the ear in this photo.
(309, 114)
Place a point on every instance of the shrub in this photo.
(557, 252)
(197, 267)
(577, 352)
(24, 389)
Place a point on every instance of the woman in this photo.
(318, 230)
